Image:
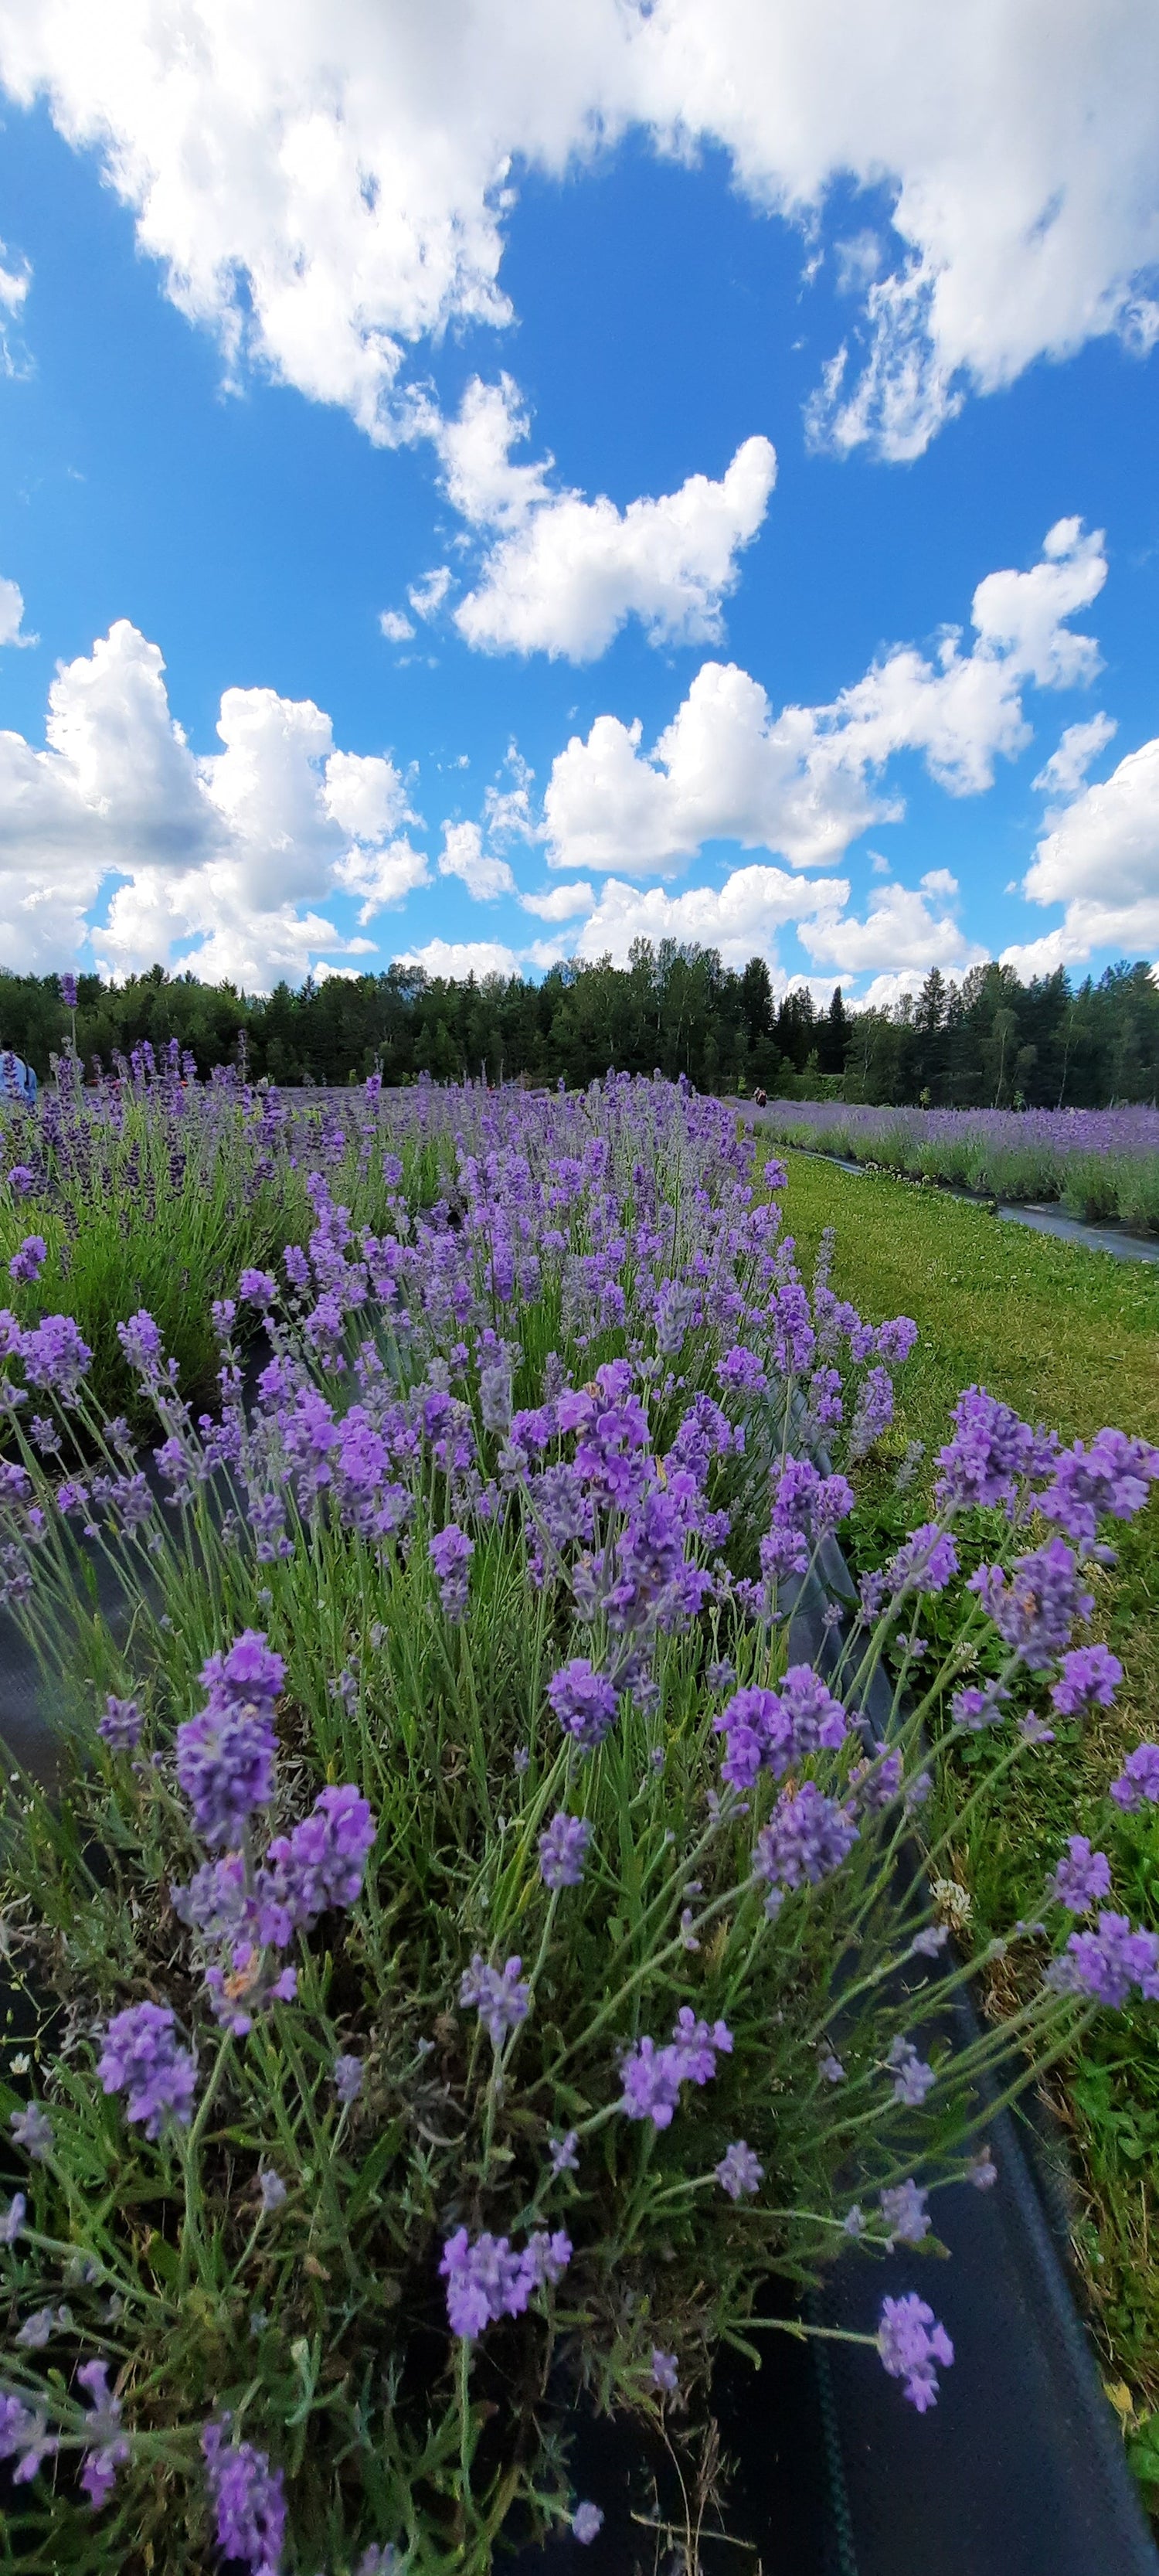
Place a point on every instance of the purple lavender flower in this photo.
(68, 993)
(1138, 1780)
(586, 2523)
(1036, 1608)
(487, 2280)
(121, 1724)
(108, 2449)
(974, 1709)
(499, 1997)
(741, 1373)
(32, 2130)
(141, 1342)
(584, 1701)
(903, 2208)
(770, 1730)
(1088, 1678)
(873, 1413)
(29, 1261)
(248, 2498)
(651, 2082)
(12, 2219)
(1110, 1477)
(225, 1755)
(910, 2342)
(24, 2437)
(696, 2045)
(739, 2170)
(321, 1863)
(562, 2154)
(990, 1451)
(257, 1288)
(981, 2170)
(806, 1838)
(450, 1552)
(55, 1356)
(665, 2374)
(142, 2059)
(563, 1850)
(272, 2189)
(894, 1341)
(1081, 1878)
(348, 2075)
(912, 2075)
(1107, 1963)
(926, 1562)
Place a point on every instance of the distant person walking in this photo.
(760, 1099)
(17, 1079)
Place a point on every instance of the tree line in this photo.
(990, 1040)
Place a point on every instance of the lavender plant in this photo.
(472, 1947)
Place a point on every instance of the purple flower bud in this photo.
(665, 2375)
(1138, 1780)
(904, 2210)
(586, 2523)
(563, 1851)
(32, 2130)
(29, 1261)
(739, 2170)
(348, 2075)
(910, 2342)
(248, 2498)
(142, 2059)
(121, 1725)
(1088, 1678)
(584, 1701)
(501, 2000)
(1081, 1878)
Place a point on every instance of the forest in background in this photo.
(988, 1041)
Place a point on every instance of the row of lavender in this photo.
(1101, 1163)
(469, 1955)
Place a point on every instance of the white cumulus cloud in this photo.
(396, 627)
(218, 862)
(1063, 774)
(12, 615)
(739, 918)
(806, 782)
(327, 183)
(463, 855)
(455, 959)
(1101, 861)
(566, 573)
(559, 903)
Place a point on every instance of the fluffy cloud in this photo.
(326, 184)
(464, 856)
(455, 959)
(216, 861)
(1101, 860)
(559, 903)
(805, 783)
(12, 615)
(396, 627)
(740, 918)
(901, 929)
(1064, 772)
(566, 573)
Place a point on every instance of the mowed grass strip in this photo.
(1070, 1337)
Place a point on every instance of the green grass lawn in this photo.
(1071, 1338)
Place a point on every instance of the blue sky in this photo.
(851, 668)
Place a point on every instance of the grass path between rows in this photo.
(1070, 1337)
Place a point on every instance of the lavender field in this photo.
(466, 1946)
(1102, 1164)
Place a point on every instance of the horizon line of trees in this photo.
(989, 1041)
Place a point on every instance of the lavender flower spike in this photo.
(225, 1755)
(1138, 1779)
(739, 2170)
(1082, 1876)
(142, 2059)
(500, 1999)
(563, 1851)
(248, 2498)
(586, 2523)
(910, 2341)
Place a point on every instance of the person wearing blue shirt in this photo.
(17, 1079)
